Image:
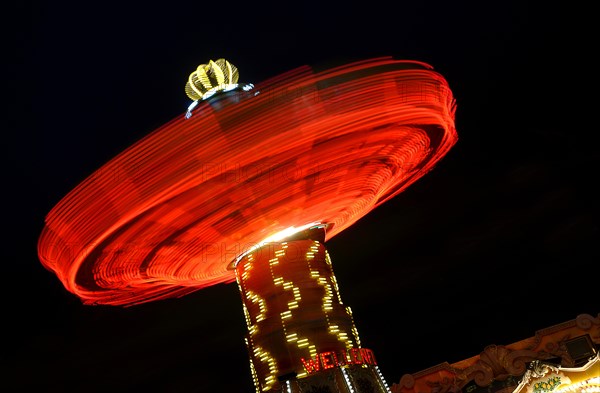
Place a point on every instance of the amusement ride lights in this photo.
(248, 175)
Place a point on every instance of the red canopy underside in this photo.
(169, 214)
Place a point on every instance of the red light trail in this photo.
(168, 215)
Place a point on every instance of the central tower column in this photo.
(301, 336)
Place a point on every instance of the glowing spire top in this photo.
(207, 79)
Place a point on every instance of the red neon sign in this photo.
(330, 359)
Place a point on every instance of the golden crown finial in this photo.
(207, 79)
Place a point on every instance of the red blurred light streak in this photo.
(167, 215)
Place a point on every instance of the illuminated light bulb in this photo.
(347, 379)
(292, 337)
(382, 380)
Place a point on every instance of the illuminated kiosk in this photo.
(248, 186)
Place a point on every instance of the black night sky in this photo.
(498, 241)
